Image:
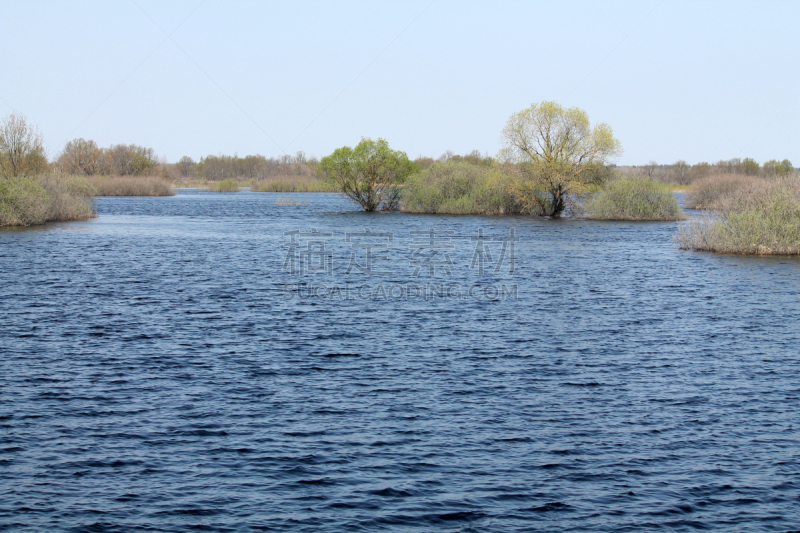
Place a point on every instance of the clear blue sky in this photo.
(699, 81)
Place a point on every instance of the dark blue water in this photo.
(159, 371)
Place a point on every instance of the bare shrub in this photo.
(721, 191)
(761, 218)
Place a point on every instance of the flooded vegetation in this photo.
(35, 200)
(635, 198)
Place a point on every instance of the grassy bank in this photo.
(130, 186)
(636, 198)
(29, 201)
(758, 218)
(458, 188)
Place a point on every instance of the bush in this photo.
(28, 200)
(228, 185)
(460, 188)
(722, 191)
(131, 186)
(636, 198)
(765, 220)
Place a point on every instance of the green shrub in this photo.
(29, 200)
(636, 198)
(228, 185)
(765, 222)
(460, 188)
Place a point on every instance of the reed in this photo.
(292, 184)
(131, 186)
(288, 201)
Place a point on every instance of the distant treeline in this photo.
(682, 173)
(251, 167)
(84, 157)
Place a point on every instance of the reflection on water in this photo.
(156, 374)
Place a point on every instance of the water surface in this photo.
(161, 371)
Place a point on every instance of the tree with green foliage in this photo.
(369, 174)
(778, 168)
(555, 154)
(750, 166)
(21, 147)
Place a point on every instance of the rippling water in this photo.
(158, 374)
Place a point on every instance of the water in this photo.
(157, 374)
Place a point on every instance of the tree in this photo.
(130, 160)
(650, 169)
(680, 172)
(21, 147)
(186, 166)
(369, 174)
(750, 167)
(778, 168)
(555, 154)
(81, 157)
(699, 170)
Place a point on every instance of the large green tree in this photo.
(370, 174)
(555, 154)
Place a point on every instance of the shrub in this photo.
(460, 188)
(636, 198)
(722, 191)
(228, 185)
(131, 186)
(29, 200)
(765, 221)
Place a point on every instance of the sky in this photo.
(694, 80)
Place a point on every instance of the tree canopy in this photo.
(554, 153)
(370, 174)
